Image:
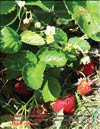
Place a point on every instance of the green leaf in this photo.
(53, 57)
(48, 4)
(12, 74)
(60, 10)
(77, 42)
(6, 6)
(54, 72)
(9, 41)
(31, 38)
(51, 90)
(60, 36)
(17, 61)
(45, 5)
(33, 74)
(72, 59)
(44, 17)
(38, 96)
(9, 18)
(86, 14)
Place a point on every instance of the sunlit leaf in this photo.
(33, 75)
(51, 90)
(9, 40)
(53, 57)
(6, 6)
(31, 38)
(86, 15)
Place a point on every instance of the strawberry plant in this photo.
(45, 47)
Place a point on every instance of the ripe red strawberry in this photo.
(87, 69)
(21, 89)
(38, 113)
(84, 87)
(68, 104)
(58, 105)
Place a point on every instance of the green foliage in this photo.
(79, 43)
(45, 5)
(60, 11)
(72, 59)
(44, 17)
(60, 36)
(86, 15)
(9, 40)
(33, 74)
(46, 62)
(9, 18)
(51, 90)
(54, 72)
(17, 61)
(53, 57)
(6, 6)
(31, 38)
(12, 74)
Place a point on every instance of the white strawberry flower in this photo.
(49, 39)
(20, 3)
(50, 30)
(85, 60)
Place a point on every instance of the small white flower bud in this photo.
(37, 25)
(21, 3)
(26, 21)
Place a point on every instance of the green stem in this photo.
(20, 22)
(4, 85)
(30, 108)
(14, 18)
(24, 107)
(82, 74)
